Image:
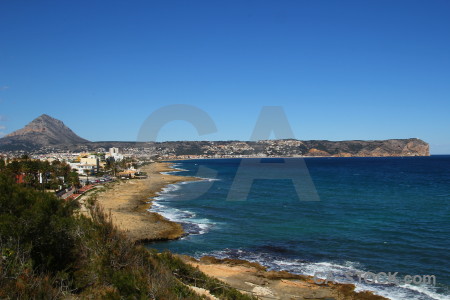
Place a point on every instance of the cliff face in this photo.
(395, 147)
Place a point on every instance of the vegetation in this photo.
(40, 174)
(112, 166)
(49, 252)
(192, 276)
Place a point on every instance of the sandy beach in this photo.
(128, 202)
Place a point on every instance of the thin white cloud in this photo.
(3, 118)
(4, 87)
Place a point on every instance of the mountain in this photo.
(41, 132)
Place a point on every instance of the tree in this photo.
(45, 169)
(14, 167)
(87, 172)
(2, 164)
(73, 179)
(111, 164)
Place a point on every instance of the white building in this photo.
(81, 168)
(114, 153)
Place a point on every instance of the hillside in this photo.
(271, 148)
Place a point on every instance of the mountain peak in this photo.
(45, 117)
(44, 131)
(44, 120)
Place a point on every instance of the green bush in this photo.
(40, 223)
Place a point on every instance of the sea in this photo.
(382, 224)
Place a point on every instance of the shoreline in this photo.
(128, 202)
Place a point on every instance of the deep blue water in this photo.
(374, 214)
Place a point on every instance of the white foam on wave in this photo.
(394, 292)
(169, 188)
(191, 225)
(177, 168)
(188, 220)
(170, 213)
(210, 179)
(167, 192)
(430, 293)
(297, 266)
(203, 224)
(173, 172)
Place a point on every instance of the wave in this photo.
(176, 168)
(208, 179)
(173, 172)
(298, 266)
(169, 188)
(191, 224)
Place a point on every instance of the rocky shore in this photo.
(253, 278)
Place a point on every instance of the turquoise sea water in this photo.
(374, 215)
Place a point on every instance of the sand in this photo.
(128, 202)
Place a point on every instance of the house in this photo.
(87, 168)
(90, 160)
(81, 168)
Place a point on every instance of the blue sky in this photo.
(340, 69)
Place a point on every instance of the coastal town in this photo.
(228, 149)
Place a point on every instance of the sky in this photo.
(340, 70)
